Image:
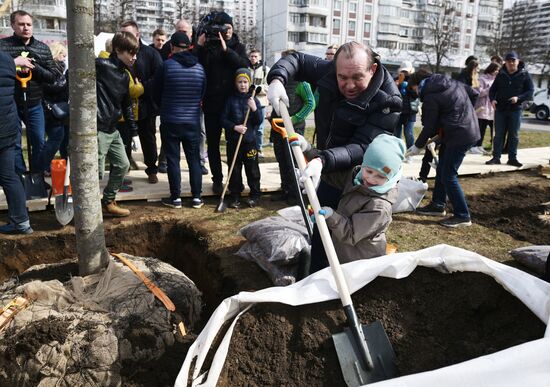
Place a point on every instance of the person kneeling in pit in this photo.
(359, 224)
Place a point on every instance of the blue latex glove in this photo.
(325, 211)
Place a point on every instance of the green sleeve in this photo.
(303, 90)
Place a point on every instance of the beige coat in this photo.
(360, 222)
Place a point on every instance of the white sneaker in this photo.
(475, 150)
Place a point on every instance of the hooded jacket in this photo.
(44, 71)
(220, 70)
(178, 89)
(344, 127)
(360, 222)
(234, 113)
(8, 109)
(113, 97)
(448, 110)
(484, 108)
(506, 85)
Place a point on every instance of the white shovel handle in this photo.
(337, 272)
(67, 173)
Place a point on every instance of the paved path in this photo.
(472, 165)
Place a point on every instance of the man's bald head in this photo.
(184, 26)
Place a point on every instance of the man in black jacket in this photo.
(358, 100)
(113, 101)
(29, 55)
(10, 127)
(447, 110)
(512, 86)
(147, 63)
(221, 54)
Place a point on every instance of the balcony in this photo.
(58, 11)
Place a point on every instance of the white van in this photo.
(541, 104)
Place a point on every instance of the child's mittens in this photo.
(326, 212)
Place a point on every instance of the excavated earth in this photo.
(432, 319)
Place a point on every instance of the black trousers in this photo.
(281, 155)
(146, 131)
(247, 157)
(213, 135)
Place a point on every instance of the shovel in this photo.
(64, 211)
(35, 186)
(222, 206)
(364, 351)
(276, 125)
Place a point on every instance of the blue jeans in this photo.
(56, 132)
(189, 136)
(446, 180)
(35, 128)
(260, 131)
(507, 120)
(11, 182)
(406, 126)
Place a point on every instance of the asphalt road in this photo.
(535, 125)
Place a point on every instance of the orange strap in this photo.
(150, 285)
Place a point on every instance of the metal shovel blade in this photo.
(64, 211)
(354, 370)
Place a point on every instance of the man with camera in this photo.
(221, 54)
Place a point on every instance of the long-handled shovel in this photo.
(276, 124)
(64, 211)
(364, 351)
(35, 186)
(222, 206)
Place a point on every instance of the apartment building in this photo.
(527, 24)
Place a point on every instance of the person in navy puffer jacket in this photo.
(179, 88)
(232, 119)
(9, 130)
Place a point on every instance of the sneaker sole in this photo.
(464, 224)
(197, 206)
(432, 213)
(172, 205)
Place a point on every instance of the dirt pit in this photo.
(432, 320)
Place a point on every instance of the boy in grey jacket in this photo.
(359, 224)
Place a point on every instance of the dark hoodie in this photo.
(179, 86)
(448, 110)
(220, 68)
(506, 85)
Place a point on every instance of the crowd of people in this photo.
(201, 82)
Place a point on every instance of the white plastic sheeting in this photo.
(527, 364)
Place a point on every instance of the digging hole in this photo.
(432, 320)
(174, 243)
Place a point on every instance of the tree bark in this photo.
(90, 238)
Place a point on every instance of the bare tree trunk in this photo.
(90, 238)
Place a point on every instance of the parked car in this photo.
(541, 104)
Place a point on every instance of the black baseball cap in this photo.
(180, 39)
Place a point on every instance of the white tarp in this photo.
(527, 364)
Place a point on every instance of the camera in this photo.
(211, 25)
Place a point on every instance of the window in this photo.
(338, 5)
(351, 25)
(353, 7)
(294, 37)
(367, 26)
(386, 10)
(403, 31)
(316, 38)
(368, 9)
(335, 23)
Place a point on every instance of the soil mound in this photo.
(432, 319)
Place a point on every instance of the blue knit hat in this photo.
(384, 154)
(244, 72)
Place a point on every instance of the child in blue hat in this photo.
(359, 224)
